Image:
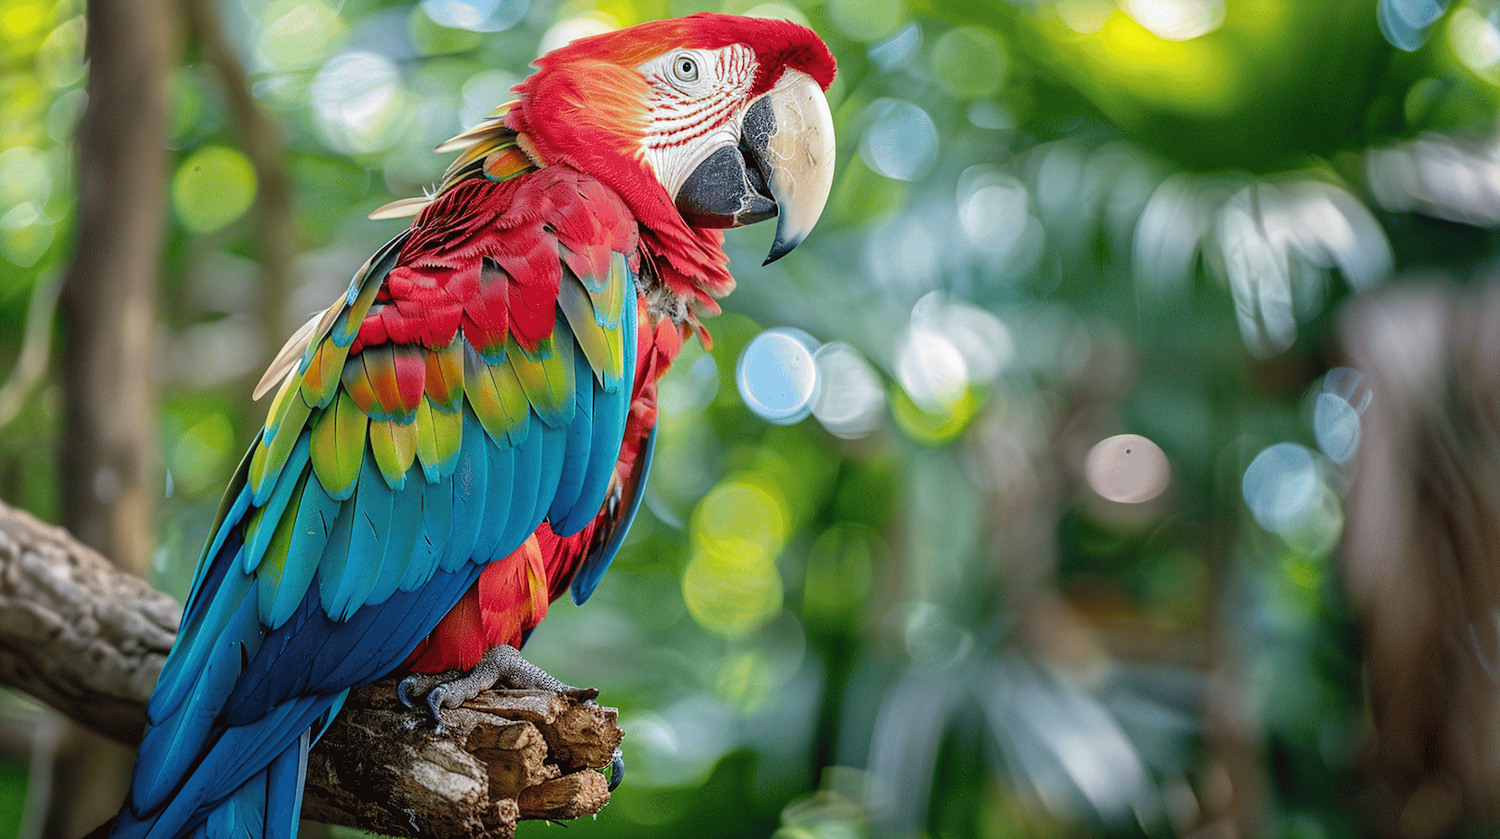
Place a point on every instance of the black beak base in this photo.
(730, 188)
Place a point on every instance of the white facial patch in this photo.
(697, 101)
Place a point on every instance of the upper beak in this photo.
(783, 167)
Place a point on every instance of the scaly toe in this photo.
(414, 687)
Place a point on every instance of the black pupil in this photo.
(686, 67)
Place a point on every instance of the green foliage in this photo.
(1037, 238)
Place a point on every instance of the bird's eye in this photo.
(685, 68)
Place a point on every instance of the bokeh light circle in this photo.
(24, 176)
(482, 92)
(898, 48)
(969, 61)
(1336, 413)
(1336, 424)
(357, 97)
(1405, 23)
(731, 584)
(931, 369)
(851, 401)
(901, 141)
(994, 216)
(1281, 486)
(295, 34)
(777, 375)
(981, 338)
(1177, 20)
(212, 188)
(778, 11)
(867, 20)
(1127, 468)
(567, 31)
(476, 15)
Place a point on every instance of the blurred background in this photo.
(1119, 457)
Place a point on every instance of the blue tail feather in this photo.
(596, 564)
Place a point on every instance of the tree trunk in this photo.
(109, 353)
(1420, 555)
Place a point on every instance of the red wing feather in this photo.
(484, 256)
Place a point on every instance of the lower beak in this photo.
(782, 167)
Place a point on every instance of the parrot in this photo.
(464, 435)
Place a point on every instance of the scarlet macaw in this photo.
(463, 436)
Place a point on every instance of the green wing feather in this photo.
(439, 432)
(496, 395)
(547, 378)
(394, 445)
(338, 445)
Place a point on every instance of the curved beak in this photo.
(783, 166)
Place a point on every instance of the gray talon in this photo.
(403, 691)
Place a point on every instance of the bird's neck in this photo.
(681, 270)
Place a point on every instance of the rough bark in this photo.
(76, 633)
(90, 641)
(503, 756)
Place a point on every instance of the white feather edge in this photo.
(285, 362)
(401, 208)
(472, 135)
(407, 207)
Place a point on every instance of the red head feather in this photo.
(586, 108)
(778, 44)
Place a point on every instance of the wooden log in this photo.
(90, 641)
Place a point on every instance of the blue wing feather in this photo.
(432, 535)
(579, 449)
(524, 480)
(333, 565)
(369, 531)
(198, 639)
(314, 527)
(168, 759)
(500, 507)
(284, 780)
(232, 508)
(554, 449)
(470, 484)
(336, 654)
(259, 535)
(406, 518)
(611, 410)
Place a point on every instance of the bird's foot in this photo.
(502, 664)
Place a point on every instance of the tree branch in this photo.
(264, 142)
(90, 641)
